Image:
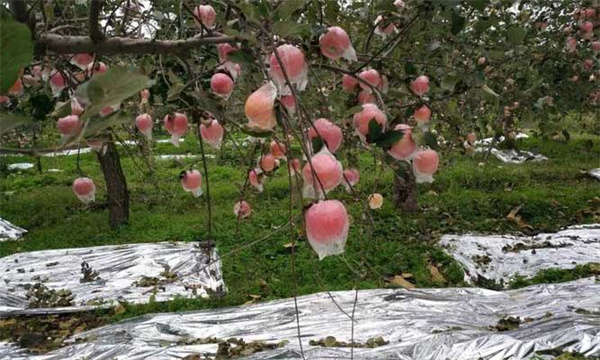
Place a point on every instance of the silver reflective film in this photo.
(502, 257)
(101, 276)
(9, 231)
(419, 324)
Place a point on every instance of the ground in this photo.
(470, 194)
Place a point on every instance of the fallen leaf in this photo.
(435, 274)
(400, 281)
(514, 217)
(264, 286)
(119, 309)
(8, 322)
(253, 299)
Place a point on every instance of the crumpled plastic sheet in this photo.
(9, 231)
(420, 324)
(83, 150)
(69, 152)
(488, 141)
(491, 257)
(513, 156)
(508, 156)
(165, 141)
(119, 266)
(595, 173)
(20, 166)
(182, 156)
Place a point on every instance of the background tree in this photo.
(491, 67)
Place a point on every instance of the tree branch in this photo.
(120, 45)
(95, 31)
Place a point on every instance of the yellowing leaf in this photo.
(400, 281)
(436, 276)
(514, 217)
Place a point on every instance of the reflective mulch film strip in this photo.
(419, 324)
(68, 280)
(20, 166)
(508, 156)
(9, 231)
(501, 257)
(514, 156)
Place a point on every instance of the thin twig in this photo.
(352, 329)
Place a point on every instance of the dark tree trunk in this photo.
(38, 160)
(38, 163)
(116, 186)
(405, 190)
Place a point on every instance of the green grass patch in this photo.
(466, 197)
(554, 275)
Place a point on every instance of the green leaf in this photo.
(488, 90)
(353, 110)
(385, 5)
(288, 7)
(375, 131)
(410, 69)
(479, 78)
(241, 57)
(174, 90)
(479, 4)
(291, 28)
(496, 54)
(9, 121)
(111, 88)
(249, 11)
(264, 9)
(255, 132)
(61, 109)
(488, 94)
(246, 36)
(389, 138)
(49, 11)
(482, 25)
(16, 48)
(516, 35)
(231, 31)
(449, 82)
(98, 124)
(458, 22)
(430, 140)
(317, 144)
(208, 103)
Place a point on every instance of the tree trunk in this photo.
(116, 186)
(405, 190)
(38, 160)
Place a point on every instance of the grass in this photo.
(554, 275)
(466, 197)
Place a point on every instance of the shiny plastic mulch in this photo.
(508, 156)
(501, 257)
(9, 232)
(419, 324)
(70, 280)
